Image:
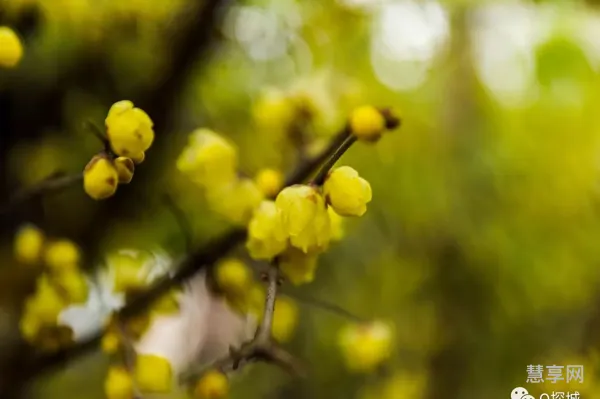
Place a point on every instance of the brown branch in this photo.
(324, 171)
(263, 335)
(54, 183)
(262, 347)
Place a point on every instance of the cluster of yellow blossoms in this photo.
(60, 285)
(290, 225)
(130, 273)
(211, 161)
(130, 133)
(11, 49)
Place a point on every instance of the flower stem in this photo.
(319, 179)
(263, 335)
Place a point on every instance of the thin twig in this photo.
(49, 185)
(306, 168)
(264, 330)
(324, 171)
(262, 347)
(326, 306)
(99, 134)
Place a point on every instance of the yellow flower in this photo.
(11, 49)
(153, 374)
(298, 266)
(74, 286)
(304, 217)
(129, 129)
(347, 192)
(29, 242)
(209, 160)
(235, 201)
(100, 178)
(285, 319)
(128, 270)
(46, 304)
(337, 225)
(274, 111)
(212, 385)
(125, 168)
(233, 277)
(111, 342)
(118, 384)
(62, 255)
(269, 181)
(266, 237)
(367, 123)
(366, 346)
(29, 326)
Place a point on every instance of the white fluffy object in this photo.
(201, 333)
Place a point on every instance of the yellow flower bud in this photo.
(153, 374)
(11, 49)
(118, 384)
(274, 111)
(233, 276)
(337, 225)
(347, 192)
(365, 347)
(111, 342)
(127, 267)
(138, 158)
(298, 266)
(100, 178)
(212, 385)
(125, 168)
(29, 242)
(367, 123)
(270, 181)
(209, 159)
(29, 326)
(285, 319)
(46, 304)
(266, 237)
(62, 255)
(304, 217)
(73, 285)
(235, 201)
(129, 129)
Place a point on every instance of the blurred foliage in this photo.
(481, 242)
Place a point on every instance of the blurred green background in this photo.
(481, 242)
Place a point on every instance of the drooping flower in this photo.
(266, 237)
(347, 192)
(304, 217)
(129, 130)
